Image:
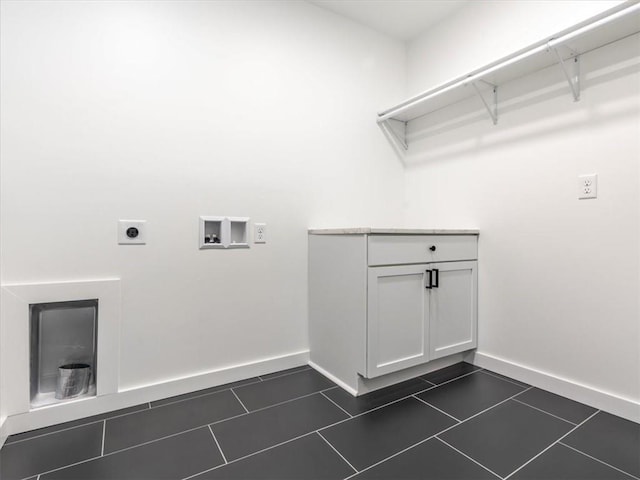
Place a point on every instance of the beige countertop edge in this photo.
(391, 231)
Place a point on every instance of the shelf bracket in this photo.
(572, 77)
(402, 140)
(491, 109)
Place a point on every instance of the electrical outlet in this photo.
(588, 186)
(132, 232)
(260, 233)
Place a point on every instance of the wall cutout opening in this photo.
(63, 351)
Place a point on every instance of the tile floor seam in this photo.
(432, 406)
(494, 375)
(274, 405)
(247, 411)
(251, 455)
(598, 460)
(303, 435)
(391, 456)
(285, 374)
(456, 378)
(155, 440)
(215, 423)
(198, 396)
(336, 450)
(322, 393)
(284, 442)
(467, 456)
(544, 411)
(331, 425)
(410, 396)
(434, 435)
(218, 445)
(365, 413)
(71, 428)
(238, 398)
(554, 443)
(104, 431)
(46, 472)
(264, 408)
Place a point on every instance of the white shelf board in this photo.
(611, 26)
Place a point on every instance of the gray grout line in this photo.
(467, 456)
(224, 420)
(493, 374)
(336, 450)
(597, 459)
(238, 398)
(479, 413)
(544, 411)
(427, 381)
(287, 441)
(251, 454)
(303, 435)
(284, 374)
(70, 465)
(270, 406)
(201, 395)
(71, 428)
(432, 436)
(322, 393)
(104, 432)
(276, 404)
(436, 408)
(392, 456)
(457, 378)
(132, 447)
(219, 447)
(212, 393)
(131, 413)
(220, 421)
(558, 440)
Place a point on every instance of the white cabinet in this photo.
(381, 303)
(418, 313)
(453, 308)
(397, 318)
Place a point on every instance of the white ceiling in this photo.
(403, 19)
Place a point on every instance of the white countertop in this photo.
(391, 231)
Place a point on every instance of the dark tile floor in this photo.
(460, 422)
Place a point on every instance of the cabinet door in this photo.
(454, 308)
(397, 319)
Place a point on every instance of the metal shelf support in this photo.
(573, 77)
(402, 140)
(491, 109)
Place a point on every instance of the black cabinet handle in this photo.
(437, 279)
(432, 248)
(428, 285)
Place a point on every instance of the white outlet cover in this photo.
(588, 186)
(127, 235)
(260, 233)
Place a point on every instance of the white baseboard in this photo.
(589, 395)
(54, 414)
(4, 432)
(333, 378)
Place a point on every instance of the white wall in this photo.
(558, 285)
(168, 110)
